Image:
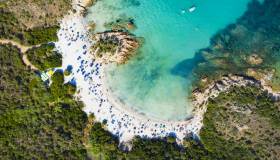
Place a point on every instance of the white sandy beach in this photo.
(74, 43)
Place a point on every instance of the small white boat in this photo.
(192, 8)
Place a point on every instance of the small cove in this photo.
(147, 83)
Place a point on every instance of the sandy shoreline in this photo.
(122, 106)
(88, 75)
(74, 44)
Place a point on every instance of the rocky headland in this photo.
(201, 96)
(114, 46)
(243, 54)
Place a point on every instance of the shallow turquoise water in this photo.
(147, 82)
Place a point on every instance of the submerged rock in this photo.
(254, 59)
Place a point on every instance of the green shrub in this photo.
(41, 35)
(44, 57)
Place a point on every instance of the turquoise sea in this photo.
(172, 34)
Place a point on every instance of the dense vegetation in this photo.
(105, 47)
(46, 123)
(11, 29)
(240, 124)
(104, 145)
(41, 35)
(32, 21)
(37, 122)
(36, 13)
(9, 25)
(44, 57)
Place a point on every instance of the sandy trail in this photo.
(23, 50)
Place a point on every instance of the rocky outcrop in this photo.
(226, 82)
(123, 46)
(200, 98)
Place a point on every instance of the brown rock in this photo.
(254, 59)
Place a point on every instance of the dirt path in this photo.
(87, 130)
(23, 50)
(86, 134)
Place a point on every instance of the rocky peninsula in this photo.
(114, 46)
(201, 97)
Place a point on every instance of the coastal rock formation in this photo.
(200, 98)
(114, 47)
(245, 48)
